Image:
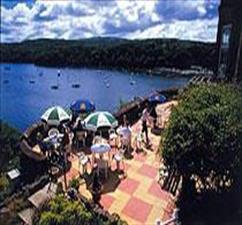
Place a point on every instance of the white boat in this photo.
(132, 82)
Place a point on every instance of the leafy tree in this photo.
(112, 53)
(61, 211)
(203, 140)
(9, 138)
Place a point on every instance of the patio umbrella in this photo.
(157, 98)
(82, 106)
(100, 148)
(100, 119)
(55, 115)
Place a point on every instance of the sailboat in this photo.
(132, 81)
(107, 85)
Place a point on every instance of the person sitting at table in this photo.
(44, 146)
(97, 139)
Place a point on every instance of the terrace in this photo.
(135, 195)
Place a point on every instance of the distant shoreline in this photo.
(152, 56)
(162, 72)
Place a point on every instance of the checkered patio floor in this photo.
(138, 198)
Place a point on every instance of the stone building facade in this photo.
(229, 40)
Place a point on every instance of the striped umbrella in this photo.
(100, 119)
(55, 115)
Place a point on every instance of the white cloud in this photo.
(198, 30)
(88, 18)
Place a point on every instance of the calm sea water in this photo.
(26, 89)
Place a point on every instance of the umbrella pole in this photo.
(64, 171)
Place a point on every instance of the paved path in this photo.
(138, 198)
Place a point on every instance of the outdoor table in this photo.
(101, 148)
(53, 132)
(125, 131)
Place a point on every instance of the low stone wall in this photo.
(26, 190)
(134, 109)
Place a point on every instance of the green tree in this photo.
(9, 138)
(203, 140)
(61, 211)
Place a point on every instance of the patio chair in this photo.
(113, 140)
(83, 161)
(139, 139)
(118, 157)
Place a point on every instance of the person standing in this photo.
(145, 119)
(125, 121)
(153, 114)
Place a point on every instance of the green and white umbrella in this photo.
(100, 119)
(55, 115)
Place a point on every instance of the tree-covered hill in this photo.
(112, 53)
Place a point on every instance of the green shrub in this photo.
(203, 140)
(62, 211)
(4, 183)
(9, 138)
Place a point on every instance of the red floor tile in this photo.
(140, 157)
(156, 190)
(128, 185)
(137, 209)
(148, 171)
(106, 201)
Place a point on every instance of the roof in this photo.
(13, 174)
(43, 195)
(27, 215)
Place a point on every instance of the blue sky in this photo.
(75, 19)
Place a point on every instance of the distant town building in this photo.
(229, 40)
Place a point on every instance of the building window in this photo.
(226, 33)
(224, 50)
